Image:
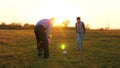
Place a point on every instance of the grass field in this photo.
(101, 50)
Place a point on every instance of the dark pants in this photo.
(42, 40)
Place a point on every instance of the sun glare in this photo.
(97, 13)
(58, 22)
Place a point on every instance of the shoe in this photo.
(39, 54)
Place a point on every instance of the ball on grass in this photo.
(64, 52)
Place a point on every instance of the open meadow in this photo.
(101, 50)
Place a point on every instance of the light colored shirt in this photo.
(47, 24)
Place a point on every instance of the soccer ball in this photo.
(64, 52)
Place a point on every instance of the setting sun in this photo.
(59, 21)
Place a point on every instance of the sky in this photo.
(96, 13)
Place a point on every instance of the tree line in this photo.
(65, 23)
(19, 26)
(14, 25)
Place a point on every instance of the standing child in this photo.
(80, 30)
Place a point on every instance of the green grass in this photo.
(101, 50)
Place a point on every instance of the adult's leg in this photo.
(44, 43)
(38, 39)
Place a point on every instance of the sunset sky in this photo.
(96, 13)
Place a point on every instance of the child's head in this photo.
(78, 19)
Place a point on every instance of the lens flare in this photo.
(63, 46)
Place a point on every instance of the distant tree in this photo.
(32, 25)
(14, 25)
(101, 29)
(27, 25)
(87, 27)
(3, 25)
(18, 24)
(107, 27)
(66, 22)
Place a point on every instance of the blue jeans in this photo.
(80, 39)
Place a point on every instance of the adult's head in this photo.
(52, 20)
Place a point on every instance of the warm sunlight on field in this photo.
(101, 49)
